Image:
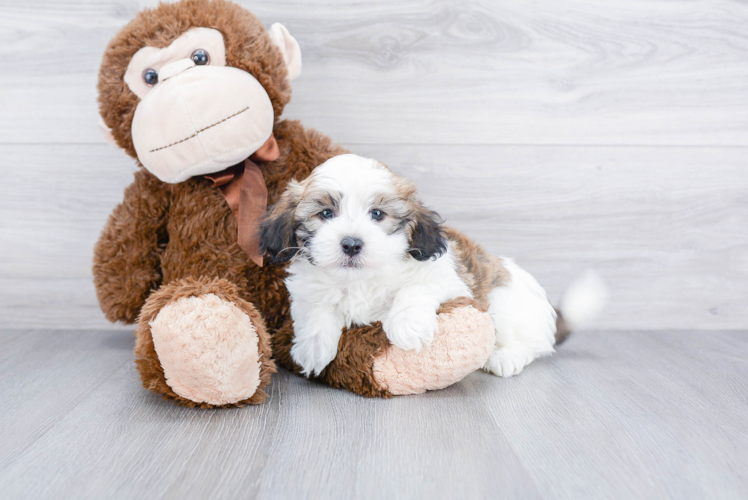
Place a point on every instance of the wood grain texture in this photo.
(666, 227)
(644, 415)
(611, 415)
(44, 374)
(433, 71)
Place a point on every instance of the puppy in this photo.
(364, 249)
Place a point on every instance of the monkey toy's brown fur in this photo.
(167, 241)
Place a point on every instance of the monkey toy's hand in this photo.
(367, 363)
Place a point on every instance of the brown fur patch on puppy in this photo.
(459, 302)
(483, 272)
(146, 358)
(480, 270)
(424, 226)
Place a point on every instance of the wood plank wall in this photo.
(567, 134)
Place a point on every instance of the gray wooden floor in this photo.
(630, 414)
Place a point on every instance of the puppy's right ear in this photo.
(427, 239)
(278, 235)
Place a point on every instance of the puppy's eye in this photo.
(150, 77)
(377, 214)
(200, 57)
(327, 214)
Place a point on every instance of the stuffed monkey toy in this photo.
(194, 92)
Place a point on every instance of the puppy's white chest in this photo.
(363, 305)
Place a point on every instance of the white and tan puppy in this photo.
(364, 249)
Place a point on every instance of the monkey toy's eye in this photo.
(200, 57)
(377, 214)
(150, 77)
(327, 214)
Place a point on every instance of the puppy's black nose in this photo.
(351, 246)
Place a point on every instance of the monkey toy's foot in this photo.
(199, 343)
(462, 345)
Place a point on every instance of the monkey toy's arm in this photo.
(367, 364)
(126, 258)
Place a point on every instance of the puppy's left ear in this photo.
(278, 235)
(427, 239)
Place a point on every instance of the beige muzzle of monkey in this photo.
(200, 120)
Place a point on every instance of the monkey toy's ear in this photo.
(277, 235)
(289, 47)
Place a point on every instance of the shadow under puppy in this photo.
(365, 249)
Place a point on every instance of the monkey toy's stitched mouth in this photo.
(199, 131)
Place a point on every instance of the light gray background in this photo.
(568, 134)
(572, 134)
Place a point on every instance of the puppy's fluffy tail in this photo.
(581, 303)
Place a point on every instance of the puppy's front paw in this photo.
(412, 328)
(314, 353)
(508, 361)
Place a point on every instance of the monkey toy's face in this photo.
(201, 89)
(196, 114)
